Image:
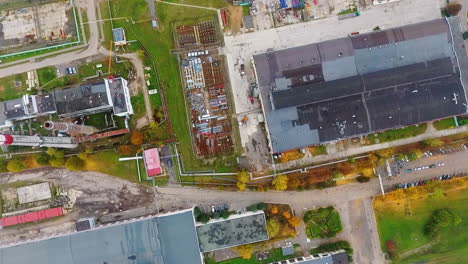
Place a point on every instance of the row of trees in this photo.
(204, 217)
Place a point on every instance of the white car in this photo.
(441, 164)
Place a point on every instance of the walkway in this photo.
(334, 154)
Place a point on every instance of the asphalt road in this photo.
(92, 48)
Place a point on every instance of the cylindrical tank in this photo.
(69, 127)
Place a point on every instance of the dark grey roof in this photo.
(361, 84)
(87, 97)
(321, 260)
(159, 240)
(45, 103)
(14, 109)
(237, 230)
(118, 95)
(340, 258)
(248, 22)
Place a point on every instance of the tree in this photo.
(3, 165)
(367, 172)
(273, 228)
(280, 182)
(55, 153)
(126, 150)
(15, 165)
(42, 159)
(137, 138)
(274, 210)
(204, 218)
(245, 251)
(440, 219)
(295, 221)
(287, 215)
(362, 179)
(74, 163)
(243, 178)
(84, 155)
(454, 8)
(433, 142)
(57, 162)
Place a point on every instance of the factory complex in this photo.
(362, 84)
(110, 94)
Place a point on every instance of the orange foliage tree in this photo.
(137, 138)
(295, 221)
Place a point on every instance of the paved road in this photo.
(353, 201)
(92, 48)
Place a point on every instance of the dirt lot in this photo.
(235, 19)
(104, 197)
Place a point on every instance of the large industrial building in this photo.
(110, 94)
(362, 84)
(171, 238)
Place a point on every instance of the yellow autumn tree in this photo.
(245, 251)
(243, 178)
(295, 221)
(280, 182)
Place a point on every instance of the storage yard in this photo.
(203, 77)
(36, 26)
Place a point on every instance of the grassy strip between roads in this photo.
(159, 44)
(404, 225)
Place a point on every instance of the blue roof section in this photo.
(119, 34)
(179, 239)
(159, 240)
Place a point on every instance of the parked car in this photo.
(432, 166)
(409, 170)
(441, 164)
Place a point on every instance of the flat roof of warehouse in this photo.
(361, 84)
(166, 239)
(236, 230)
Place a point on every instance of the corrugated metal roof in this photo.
(167, 239)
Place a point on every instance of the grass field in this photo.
(46, 75)
(275, 255)
(322, 222)
(159, 44)
(395, 134)
(407, 230)
(108, 162)
(12, 87)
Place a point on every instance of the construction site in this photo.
(203, 77)
(40, 24)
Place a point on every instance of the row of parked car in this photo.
(423, 182)
(426, 167)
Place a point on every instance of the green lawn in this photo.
(13, 87)
(159, 44)
(108, 162)
(395, 134)
(407, 230)
(46, 75)
(204, 3)
(275, 255)
(61, 82)
(322, 222)
(450, 123)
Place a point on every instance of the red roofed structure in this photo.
(152, 162)
(31, 217)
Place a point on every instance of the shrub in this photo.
(74, 163)
(42, 159)
(15, 165)
(225, 214)
(204, 218)
(454, 8)
(434, 142)
(333, 247)
(362, 179)
(280, 182)
(3, 165)
(243, 178)
(53, 152)
(126, 150)
(197, 212)
(392, 248)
